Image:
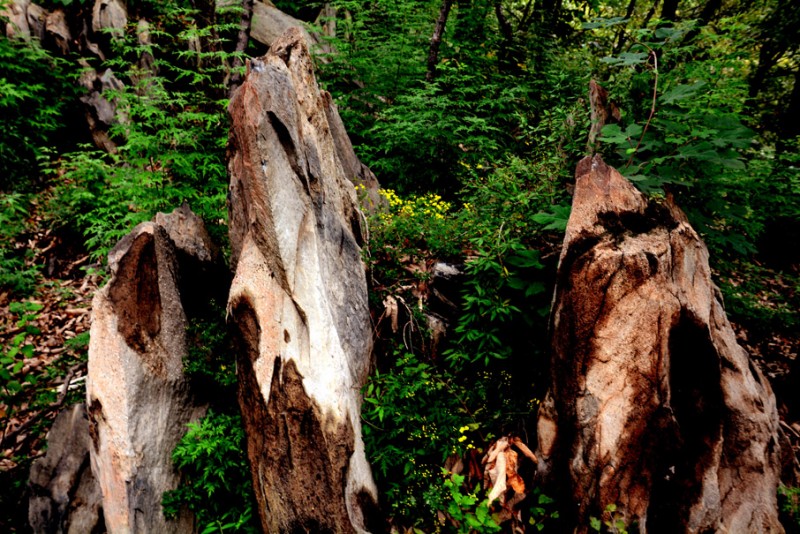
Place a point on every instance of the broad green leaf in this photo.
(681, 92)
(626, 59)
(525, 259)
(603, 23)
(556, 219)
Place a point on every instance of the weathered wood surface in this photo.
(139, 399)
(299, 298)
(653, 405)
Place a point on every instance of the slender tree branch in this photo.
(525, 19)
(621, 38)
(10, 437)
(669, 10)
(650, 14)
(502, 21)
(436, 39)
(653, 108)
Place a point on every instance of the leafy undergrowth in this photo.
(763, 305)
(44, 335)
(44, 338)
(437, 404)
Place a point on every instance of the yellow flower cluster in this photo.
(391, 197)
(429, 205)
(463, 438)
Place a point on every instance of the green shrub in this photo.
(35, 93)
(17, 273)
(172, 131)
(210, 362)
(683, 130)
(789, 498)
(469, 513)
(12, 359)
(419, 410)
(414, 419)
(216, 484)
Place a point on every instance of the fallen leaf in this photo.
(497, 474)
(391, 311)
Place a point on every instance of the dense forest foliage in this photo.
(473, 114)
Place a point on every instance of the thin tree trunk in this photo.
(508, 54)
(436, 39)
(505, 27)
(669, 11)
(650, 14)
(242, 40)
(327, 21)
(708, 13)
(766, 60)
(206, 18)
(525, 20)
(554, 19)
(621, 38)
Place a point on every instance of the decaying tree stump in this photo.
(139, 400)
(298, 299)
(653, 406)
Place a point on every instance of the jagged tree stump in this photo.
(653, 405)
(299, 298)
(139, 400)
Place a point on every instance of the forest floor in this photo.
(43, 347)
(50, 331)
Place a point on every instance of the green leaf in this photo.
(473, 521)
(603, 23)
(556, 219)
(408, 467)
(544, 499)
(681, 92)
(525, 259)
(23, 307)
(612, 133)
(626, 59)
(668, 33)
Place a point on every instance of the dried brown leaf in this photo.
(519, 444)
(512, 466)
(497, 474)
(391, 311)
